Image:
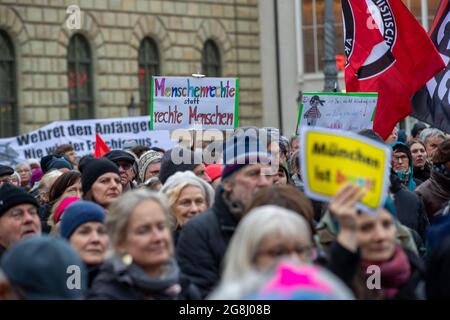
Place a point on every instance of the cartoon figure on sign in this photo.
(313, 113)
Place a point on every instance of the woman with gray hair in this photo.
(143, 264)
(264, 236)
(188, 196)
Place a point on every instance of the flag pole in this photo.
(329, 61)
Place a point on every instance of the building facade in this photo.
(296, 65)
(52, 71)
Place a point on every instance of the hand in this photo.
(343, 206)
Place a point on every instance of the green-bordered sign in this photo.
(336, 110)
(194, 103)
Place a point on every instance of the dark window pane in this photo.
(211, 62)
(8, 106)
(148, 66)
(81, 104)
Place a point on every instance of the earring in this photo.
(127, 259)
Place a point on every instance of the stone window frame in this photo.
(8, 121)
(153, 63)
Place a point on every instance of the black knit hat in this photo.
(11, 196)
(169, 167)
(94, 169)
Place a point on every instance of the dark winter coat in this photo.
(44, 213)
(2, 251)
(422, 174)
(435, 192)
(202, 244)
(410, 208)
(115, 282)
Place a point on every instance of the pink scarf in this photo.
(394, 272)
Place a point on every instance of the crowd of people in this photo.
(137, 224)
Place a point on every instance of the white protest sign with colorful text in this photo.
(190, 103)
(336, 110)
(332, 158)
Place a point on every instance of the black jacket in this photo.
(2, 251)
(44, 213)
(410, 208)
(202, 244)
(345, 265)
(109, 284)
(422, 174)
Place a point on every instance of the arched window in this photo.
(79, 60)
(148, 67)
(8, 97)
(211, 65)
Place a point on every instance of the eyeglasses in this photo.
(124, 165)
(398, 158)
(283, 251)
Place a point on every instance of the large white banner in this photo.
(81, 135)
(190, 103)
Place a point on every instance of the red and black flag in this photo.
(387, 52)
(431, 104)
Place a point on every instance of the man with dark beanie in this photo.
(19, 216)
(205, 238)
(180, 159)
(101, 169)
(125, 162)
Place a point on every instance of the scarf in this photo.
(165, 287)
(407, 179)
(394, 272)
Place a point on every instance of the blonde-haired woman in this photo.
(188, 196)
(143, 264)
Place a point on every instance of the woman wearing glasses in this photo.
(264, 236)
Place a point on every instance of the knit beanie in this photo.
(59, 163)
(147, 159)
(178, 159)
(94, 169)
(242, 151)
(402, 147)
(11, 196)
(79, 213)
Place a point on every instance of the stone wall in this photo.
(115, 29)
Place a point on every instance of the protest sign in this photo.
(190, 103)
(332, 158)
(81, 134)
(336, 110)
